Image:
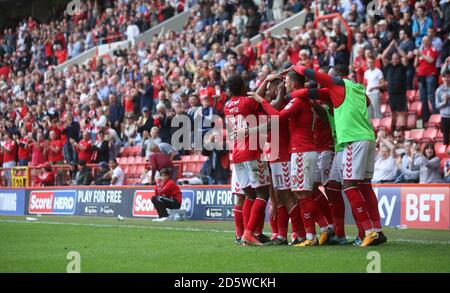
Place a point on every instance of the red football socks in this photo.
(337, 207)
(371, 204)
(246, 210)
(238, 221)
(297, 222)
(258, 212)
(307, 208)
(358, 207)
(283, 221)
(323, 208)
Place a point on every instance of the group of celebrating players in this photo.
(324, 117)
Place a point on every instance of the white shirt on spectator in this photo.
(118, 173)
(384, 169)
(373, 78)
(132, 32)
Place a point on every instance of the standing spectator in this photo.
(72, 133)
(9, 156)
(116, 112)
(443, 104)
(429, 165)
(342, 55)
(421, 24)
(373, 78)
(218, 170)
(407, 45)
(146, 122)
(167, 195)
(39, 150)
(101, 148)
(129, 130)
(253, 22)
(55, 154)
(395, 72)
(132, 30)
(84, 148)
(384, 170)
(159, 160)
(146, 92)
(425, 63)
(24, 153)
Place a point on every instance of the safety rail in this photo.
(26, 176)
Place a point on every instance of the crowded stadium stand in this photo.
(119, 106)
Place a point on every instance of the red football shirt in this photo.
(424, 68)
(55, 156)
(87, 153)
(283, 137)
(237, 109)
(322, 135)
(169, 189)
(24, 152)
(9, 155)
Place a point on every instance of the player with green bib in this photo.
(355, 134)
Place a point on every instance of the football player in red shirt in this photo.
(167, 195)
(251, 172)
(303, 153)
(285, 205)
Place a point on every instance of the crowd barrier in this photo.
(410, 205)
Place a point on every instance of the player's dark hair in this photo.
(297, 78)
(236, 85)
(341, 70)
(165, 171)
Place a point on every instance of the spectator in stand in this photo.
(164, 118)
(146, 92)
(102, 176)
(55, 147)
(218, 169)
(395, 72)
(342, 52)
(443, 104)
(24, 153)
(39, 150)
(9, 156)
(384, 165)
(84, 148)
(116, 174)
(169, 150)
(447, 172)
(72, 133)
(146, 122)
(407, 45)
(116, 112)
(429, 165)
(159, 160)
(149, 141)
(167, 195)
(84, 174)
(130, 135)
(421, 24)
(408, 166)
(46, 176)
(425, 63)
(374, 81)
(101, 148)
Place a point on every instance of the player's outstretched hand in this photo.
(255, 96)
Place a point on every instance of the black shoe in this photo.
(278, 241)
(238, 240)
(381, 239)
(263, 238)
(297, 241)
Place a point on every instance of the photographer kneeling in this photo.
(167, 195)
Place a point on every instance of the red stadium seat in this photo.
(411, 94)
(440, 150)
(435, 121)
(376, 122)
(416, 134)
(385, 110)
(384, 97)
(439, 137)
(136, 150)
(429, 134)
(122, 160)
(416, 107)
(407, 134)
(386, 124)
(411, 121)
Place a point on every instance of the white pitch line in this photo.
(415, 241)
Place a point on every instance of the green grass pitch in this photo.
(139, 245)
